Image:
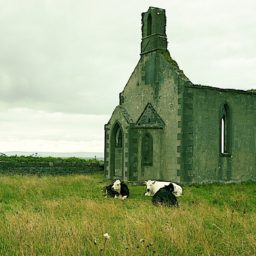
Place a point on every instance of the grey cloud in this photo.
(76, 56)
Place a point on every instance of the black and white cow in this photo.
(109, 191)
(153, 186)
(121, 188)
(165, 197)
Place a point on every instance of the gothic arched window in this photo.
(149, 25)
(119, 137)
(225, 131)
(147, 149)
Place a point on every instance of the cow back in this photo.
(164, 197)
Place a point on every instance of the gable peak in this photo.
(150, 118)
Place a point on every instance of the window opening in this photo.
(223, 138)
(119, 138)
(149, 25)
(225, 131)
(147, 150)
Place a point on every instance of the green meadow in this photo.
(68, 215)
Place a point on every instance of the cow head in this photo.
(149, 185)
(117, 186)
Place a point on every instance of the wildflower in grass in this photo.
(106, 236)
(95, 241)
(142, 240)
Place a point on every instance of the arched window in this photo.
(116, 151)
(149, 25)
(225, 143)
(147, 150)
(119, 138)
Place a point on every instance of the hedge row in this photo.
(31, 165)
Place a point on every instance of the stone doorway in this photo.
(117, 151)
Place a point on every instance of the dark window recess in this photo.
(119, 138)
(225, 131)
(147, 150)
(149, 25)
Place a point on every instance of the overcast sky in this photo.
(64, 62)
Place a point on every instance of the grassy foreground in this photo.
(67, 215)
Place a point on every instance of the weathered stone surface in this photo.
(163, 116)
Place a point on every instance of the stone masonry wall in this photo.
(208, 163)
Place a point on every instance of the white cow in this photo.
(153, 186)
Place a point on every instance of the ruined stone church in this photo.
(167, 128)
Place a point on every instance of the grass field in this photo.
(68, 215)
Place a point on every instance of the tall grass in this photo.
(69, 215)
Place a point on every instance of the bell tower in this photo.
(153, 30)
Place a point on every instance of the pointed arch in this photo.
(117, 135)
